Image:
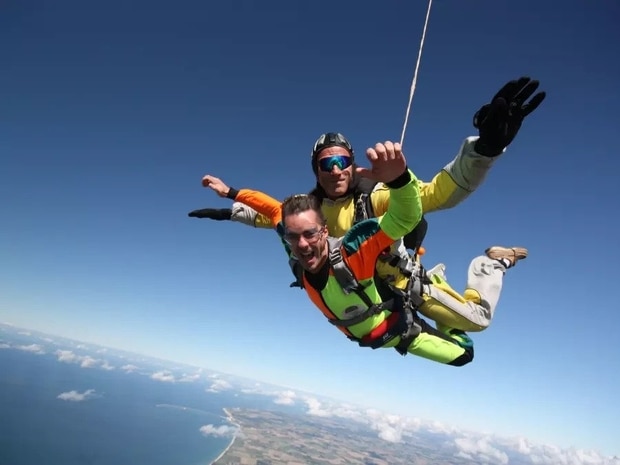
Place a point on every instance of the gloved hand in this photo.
(499, 122)
(218, 214)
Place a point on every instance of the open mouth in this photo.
(307, 256)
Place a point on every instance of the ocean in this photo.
(66, 405)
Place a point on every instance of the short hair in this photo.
(299, 203)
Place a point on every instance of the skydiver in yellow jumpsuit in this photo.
(347, 199)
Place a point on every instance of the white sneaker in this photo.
(511, 255)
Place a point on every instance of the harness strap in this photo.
(400, 324)
(413, 331)
(405, 265)
(343, 274)
(298, 272)
(360, 313)
(361, 208)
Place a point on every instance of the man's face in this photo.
(307, 239)
(335, 171)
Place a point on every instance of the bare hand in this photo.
(387, 162)
(215, 184)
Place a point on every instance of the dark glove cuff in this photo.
(218, 214)
(232, 193)
(401, 180)
(486, 150)
(223, 214)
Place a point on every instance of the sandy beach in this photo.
(231, 420)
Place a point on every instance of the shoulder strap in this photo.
(298, 271)
(343, 274)
(361, 199)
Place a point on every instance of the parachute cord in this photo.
(415, 74)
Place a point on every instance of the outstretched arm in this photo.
(498, 123)
(242, 213)
(458, 179)
(239, 213)
(265, 205)
(255, 200)
(448, 188)
(260, 202)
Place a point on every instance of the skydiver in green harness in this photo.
(338, 275)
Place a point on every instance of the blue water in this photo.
(122, 424)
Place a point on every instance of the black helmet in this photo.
(330, 139)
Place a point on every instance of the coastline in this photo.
(231, 420)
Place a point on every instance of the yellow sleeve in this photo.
(439, 193)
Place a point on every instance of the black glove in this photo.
(218, 214)
(498, 122)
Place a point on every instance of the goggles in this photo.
(341, 161)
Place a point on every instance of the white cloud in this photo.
(223, 430)
(285, 398)
(129, 368)
(546, 454)
(4, 345)
(522, 446)
(438, 427)
(106, 366)
(85, 361)
(390, 433)
(186, 378)
(315, 408)
(552, 455)
(164, 376)
(480, 450)
(219, 385)
(34, 348)
(67, 356)
(483, 448)
(75, 396)
(390, 428)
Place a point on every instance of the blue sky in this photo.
(111, 112)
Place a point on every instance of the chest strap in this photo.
(355, 314)
(401, 323)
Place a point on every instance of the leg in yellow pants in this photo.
(472, 311)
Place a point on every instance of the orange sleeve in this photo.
(262, 203)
